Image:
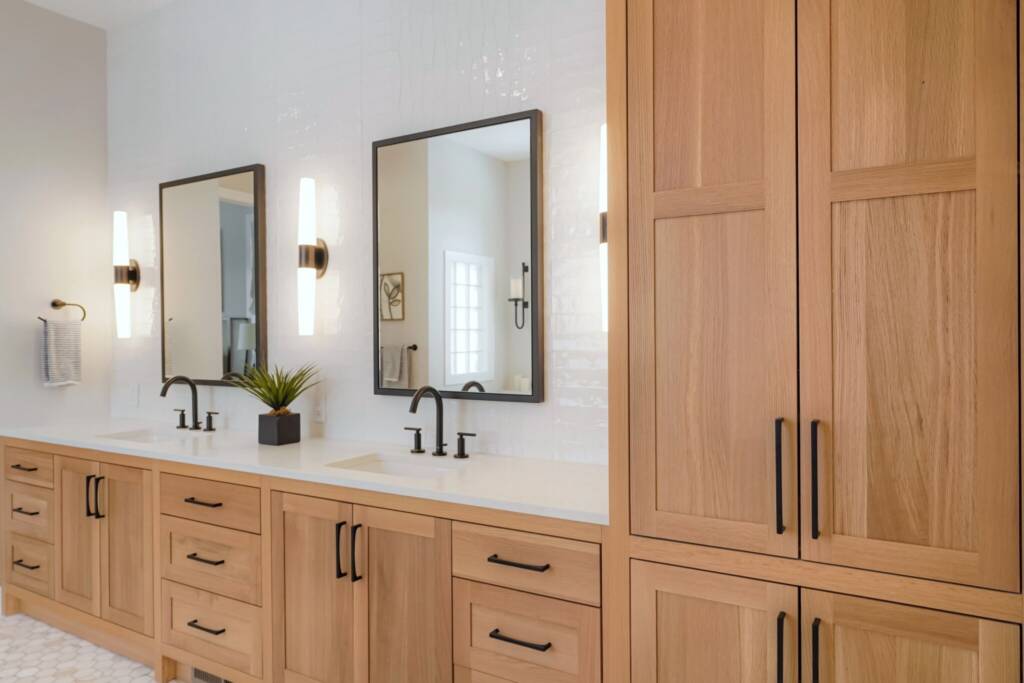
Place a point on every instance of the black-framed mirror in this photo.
(213, 292)
(458, 261)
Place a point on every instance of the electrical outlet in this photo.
(319, 406)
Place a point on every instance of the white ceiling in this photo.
(105, 14)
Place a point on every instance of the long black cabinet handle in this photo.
(196, 558)
(21, 468)
(539, 647)
(88, 494)
(192, 500)
(23, 565)
(96, 497)
(815, 522)
(816, 651)
(199, 627)
(23, 511)
(780, 647)
(780, 528)
(339, 573)
(355, 530)
(494, 559)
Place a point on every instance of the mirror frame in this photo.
(536, 258)
(259, 222)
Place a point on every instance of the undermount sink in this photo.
(144, 436)
(408, 466)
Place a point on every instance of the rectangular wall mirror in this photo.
(458, 287)
(213, 269)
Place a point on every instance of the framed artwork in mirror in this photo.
(391, 296)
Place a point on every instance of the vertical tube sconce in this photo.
(602, 209)
(127, 276)
(313, 257)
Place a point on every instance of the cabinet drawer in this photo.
(213, 502)
(525, 638)
(30, 564)
(28, 467)
(29, 511)
(220, 629)
(464, 675)
(556, 567)
(219, 560)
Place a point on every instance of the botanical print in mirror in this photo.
(391, 296)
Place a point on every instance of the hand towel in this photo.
(61, 355)
(394, 370)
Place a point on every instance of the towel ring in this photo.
(58, 304)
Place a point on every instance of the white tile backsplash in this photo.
(305, 87)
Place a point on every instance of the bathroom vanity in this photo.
(322, 561)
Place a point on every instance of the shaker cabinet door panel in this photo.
(712, 197)
(909, 287)
(78, 569)
(125, 508)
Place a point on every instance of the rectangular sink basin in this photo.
(407, 466)
(144, 436)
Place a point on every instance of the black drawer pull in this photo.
(30, 567)
(780, 528)
(355, 576)
(780, 644)
(21, 468)
(96, 497)
(339, 573)
(192, 500)
(494, 559)
(498, 635)
(195, 558)
(88, 494)
(199, 627)
(816, 651)
(815, 522)
(23, 511)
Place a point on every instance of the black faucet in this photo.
(195, 397)
(439, 410)
(473, 384)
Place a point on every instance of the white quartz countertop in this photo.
(548, 488)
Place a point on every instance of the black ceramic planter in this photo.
(279, 430)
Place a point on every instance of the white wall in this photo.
(55, 228)
(305, 87)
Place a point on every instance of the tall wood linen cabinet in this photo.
(824, 311)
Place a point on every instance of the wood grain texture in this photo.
(573, 631)
(573, 573)
(313, 608)
(28, 466)
(126, 547)
(865, 641)
(697, 626)
(34, 568)
(712, 277)
(403, 603)
(239, 575)
(30, 511)
(239, 506)
(909, 304)
(78, 581)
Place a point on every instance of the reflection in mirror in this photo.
(212, 237)
(458, 261)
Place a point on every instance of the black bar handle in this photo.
(816, 651)
(339, 573)
(780, 644)
(539, 647)
(815, 522)
(22, 511)
(23, 565)
(96, 497)
(494, 559)
(355, 530)
(88, 494)
(21, 468)
(199, 627)
(196, 558)
(192, 500)
(780, 528)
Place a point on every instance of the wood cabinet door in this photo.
(691, 626)
(312, 597)
(403, 597)
(712, 250)
(78, 568)
(124, 507)
(908, 287)
(856, 640)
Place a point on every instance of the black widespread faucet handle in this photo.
(181, 418)
(461, 453)
(209, 420)
(417, 439)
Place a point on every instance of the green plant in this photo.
(277, 388)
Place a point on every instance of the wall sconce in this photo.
(517, 289)
(127, 276)
(313, 257)
(602, 208)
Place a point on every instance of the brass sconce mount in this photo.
(128, 275)
(317, 257)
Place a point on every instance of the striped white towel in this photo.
(61, 356)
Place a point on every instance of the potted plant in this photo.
(278, 389)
